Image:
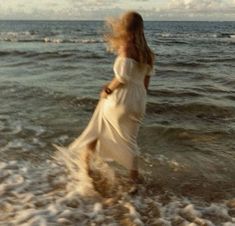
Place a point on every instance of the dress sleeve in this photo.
(122, 69)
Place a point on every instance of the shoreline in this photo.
(47, 195)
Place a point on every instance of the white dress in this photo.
(116, 119)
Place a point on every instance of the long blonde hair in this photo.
(126, 32)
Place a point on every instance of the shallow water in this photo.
(44, 195)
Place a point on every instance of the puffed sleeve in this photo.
(122, 69)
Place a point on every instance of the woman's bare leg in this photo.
(89, 152)
(91, 146)
(134, 173)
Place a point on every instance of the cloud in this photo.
(194, 5)
(100, 9)
(87, 4)
(201, 8)
(13, 9)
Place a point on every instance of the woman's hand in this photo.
(114, 84)
(103, 94)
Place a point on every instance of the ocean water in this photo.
(51, 73)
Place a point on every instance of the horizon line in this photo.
(90, 20)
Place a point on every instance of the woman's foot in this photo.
(133, 190)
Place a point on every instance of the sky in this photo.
(209, 10)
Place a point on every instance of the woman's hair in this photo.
(127, 33)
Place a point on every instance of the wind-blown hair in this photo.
(128, 31)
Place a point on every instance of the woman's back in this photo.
(129, 70)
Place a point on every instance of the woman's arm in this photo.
(146, 82)
(114, 84)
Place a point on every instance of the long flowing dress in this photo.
(116, 120)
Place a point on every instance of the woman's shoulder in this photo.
(130, 61)
(130, 52)
(123, 60)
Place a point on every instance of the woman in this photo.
(113, 128)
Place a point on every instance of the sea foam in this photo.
(47, 194)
